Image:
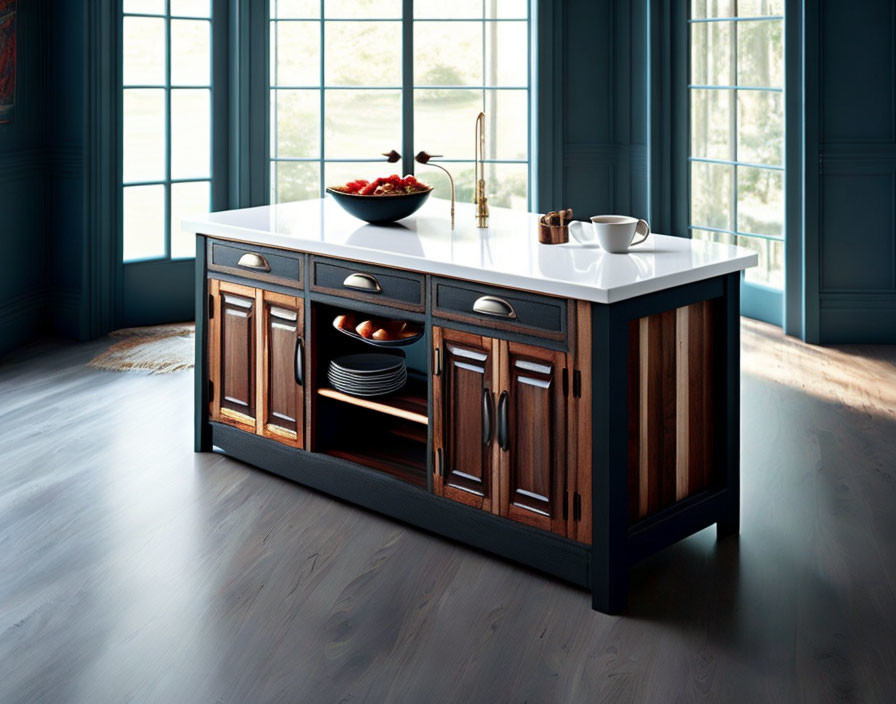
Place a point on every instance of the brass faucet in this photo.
(479, 148)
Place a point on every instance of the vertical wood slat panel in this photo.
(671, 371)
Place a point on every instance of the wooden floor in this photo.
(133, 570)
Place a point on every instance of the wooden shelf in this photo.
(409, 403)
(391, 461)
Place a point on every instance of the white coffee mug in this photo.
(614, 233)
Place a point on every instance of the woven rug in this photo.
(159, 349)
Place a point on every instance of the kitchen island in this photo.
(566, 408)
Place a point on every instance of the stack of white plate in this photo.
(368, 374)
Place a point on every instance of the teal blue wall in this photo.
(23, 165)
(850, 167)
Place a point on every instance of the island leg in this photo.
(202, 431)
(729, 522)
(609, 563)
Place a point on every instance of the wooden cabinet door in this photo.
(532, 436)
(281, 374)
(464, 418)
(233, 354)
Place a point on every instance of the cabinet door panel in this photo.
(464, 418)
(534, 452)
(281, 393)
(233, 350)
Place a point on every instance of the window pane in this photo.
(144, 51)
(507, 9)
(760, 8)
(191, 54)
(465, 9)
(143, 134)
(294, 180)
(357, 9)
(145, 7)
(711, 195)
(295, 53)
(190, 133)
(144, 222)
(295, 8)
(760, 201)
(506, 185)
(363, 53)
(506, 124)
(760, 119)
(760, 53)
(709, 124)
(295, 123)
(712, 8)
(436, 65)
(711, 54)
(187, 199)
(361, 123)
(507, 51)
(770, 270)
(444, 121)
(463, 181)
(191, 8)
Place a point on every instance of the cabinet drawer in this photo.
(277, 266)
(499, 309)
(390, 287)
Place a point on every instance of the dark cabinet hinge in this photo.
(211, 306)
(211, 390)
(565, 505)
(577, 506)
(440, 470)
(565, 382)
(577, 384)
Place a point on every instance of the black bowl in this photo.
(380, 209)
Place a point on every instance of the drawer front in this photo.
(391, 287)
(500, 309)
(277, 266)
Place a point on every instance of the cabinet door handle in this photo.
(492, 305)
(503, 439)
(486, 417)
(363, 282)
(300, 365)
(252, 260)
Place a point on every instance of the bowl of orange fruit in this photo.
(378, 332)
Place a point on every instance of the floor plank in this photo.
(132, 569)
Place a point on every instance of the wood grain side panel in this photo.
(672, 373)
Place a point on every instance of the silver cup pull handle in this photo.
(363, 282)
(494, 306)
(251, 260)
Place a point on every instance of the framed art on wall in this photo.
(7, 59)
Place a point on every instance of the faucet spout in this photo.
(479, 149)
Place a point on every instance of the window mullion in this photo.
(167, 222)
(323, 115)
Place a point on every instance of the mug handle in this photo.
(638, 228)
(577, 230)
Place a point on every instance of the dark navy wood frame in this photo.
(602, 567)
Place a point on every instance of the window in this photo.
(166, 124)
(736, 151)
(342, 93)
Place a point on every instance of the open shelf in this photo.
(409, 403)
(389, 459)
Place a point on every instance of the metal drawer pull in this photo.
(503, 430)
(251, 260)
(363, 282)
(492, 305)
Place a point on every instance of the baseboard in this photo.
(857, 318)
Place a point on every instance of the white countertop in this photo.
(506, 254)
